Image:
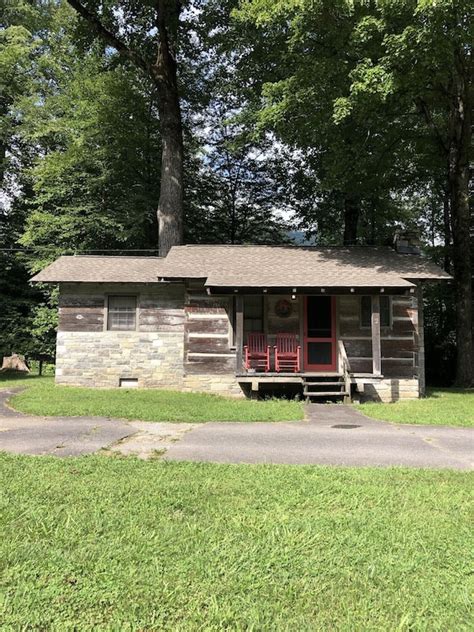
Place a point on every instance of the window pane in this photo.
(122, 313)
(365, 311)
(253, 314)
(385, 311)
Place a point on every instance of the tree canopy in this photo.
(239, 121)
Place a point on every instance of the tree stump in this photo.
(14, 363)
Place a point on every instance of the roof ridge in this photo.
(76, 256)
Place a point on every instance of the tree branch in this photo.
(108, 36)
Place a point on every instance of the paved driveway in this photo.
(332, 435)
(59, 436)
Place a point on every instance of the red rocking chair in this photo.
(287, 353)
(257, 352)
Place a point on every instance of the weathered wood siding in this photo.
(208, 334)
(83, 307)
(399, 342)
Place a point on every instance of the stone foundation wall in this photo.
(387, 389)
(101, 359)
(216, 384)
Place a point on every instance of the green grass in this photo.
(42, 397)
(99, 543)
(441, 407)
(12, 380)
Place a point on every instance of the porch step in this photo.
(325, 393)
(324, 383)
(317, 387)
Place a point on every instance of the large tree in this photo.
(310, 50)
(426, 67)
(147, 36)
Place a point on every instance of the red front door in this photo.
(320, 333)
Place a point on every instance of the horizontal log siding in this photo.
(399, 342)
(82, 307)
(208, 334)
(81, 310)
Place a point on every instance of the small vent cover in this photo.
(128, 382)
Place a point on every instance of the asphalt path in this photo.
(330, 435)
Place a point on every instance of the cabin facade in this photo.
(351, 319)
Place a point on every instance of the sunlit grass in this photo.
(100, 543)
(441, 407)
(42, 397)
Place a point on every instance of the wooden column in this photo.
(421, 343)
(239, 330)
(376, 345)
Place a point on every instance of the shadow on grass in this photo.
(436, 393)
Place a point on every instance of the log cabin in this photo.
(327, 323)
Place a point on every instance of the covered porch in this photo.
(341, 338)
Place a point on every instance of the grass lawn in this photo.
(100, 543)
(441, 407)
(42, 397)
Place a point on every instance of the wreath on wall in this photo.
(283, 308)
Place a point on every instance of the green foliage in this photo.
(111, 543)
(320, 59)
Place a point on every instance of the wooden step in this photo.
(324, 383)
(310, 378)
(326, 393)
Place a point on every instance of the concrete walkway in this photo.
(331, 435)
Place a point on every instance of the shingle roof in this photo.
(252, 266)
(290, 266)
(100, 269)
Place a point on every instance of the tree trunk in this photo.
(351, 220)
(163, 73)
(170, 203)
(447, 232)
(458, 175)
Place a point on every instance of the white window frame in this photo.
(107, 310)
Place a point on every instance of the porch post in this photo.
(376, 345)
(239, 330)
(421, 343)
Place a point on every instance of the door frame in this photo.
(320, 368)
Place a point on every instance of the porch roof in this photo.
(298, 267)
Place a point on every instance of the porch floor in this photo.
(286, 378)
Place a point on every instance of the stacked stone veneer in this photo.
(102, 359)
(387, 389)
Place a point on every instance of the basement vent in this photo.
(128, 382)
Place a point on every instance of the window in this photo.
(122, 313)
(253, 314)
(366, 311)
(385, 311)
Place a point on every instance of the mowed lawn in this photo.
(441, 407)
(101, 543)
(42, 397)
